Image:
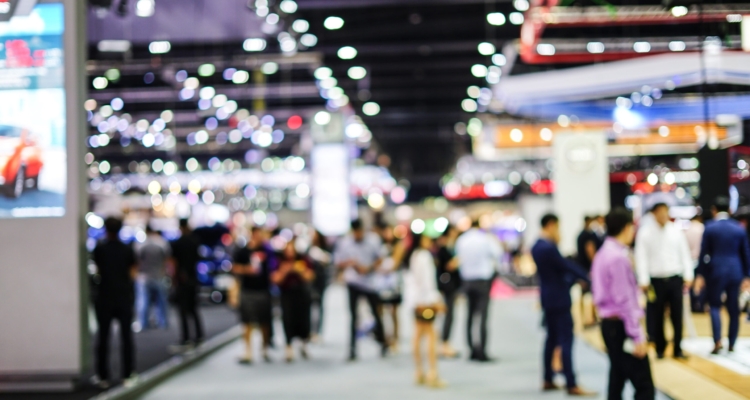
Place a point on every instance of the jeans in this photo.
(623, 366)
(559, 333)
(146, 291)
(478, 293)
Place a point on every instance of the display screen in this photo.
(33, 167)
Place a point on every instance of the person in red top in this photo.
(293, 277)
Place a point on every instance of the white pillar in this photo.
(581, 178)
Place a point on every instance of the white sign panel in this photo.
(331, 200)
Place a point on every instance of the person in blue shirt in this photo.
(556, 276)
(724, 268)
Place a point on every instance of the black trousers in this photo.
(123, 314)
(478, 294)
(355, 293)
(187, 301)
(317, 303)
(559, 333)
(450, 301)
(295, 311)
(624, 367)
(668, 294)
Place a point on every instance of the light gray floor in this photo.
(516, 340)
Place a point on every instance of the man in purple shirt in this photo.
(615, 290)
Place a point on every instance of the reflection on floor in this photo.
(516, 340)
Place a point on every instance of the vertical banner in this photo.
(581, 182)
(43, 290)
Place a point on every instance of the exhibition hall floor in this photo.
(516, 341)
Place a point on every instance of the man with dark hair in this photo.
(449, 284)
(725, 268)
(359, 255)
(616, 292)
(556, 276)
(588, 243)
(665, 270)
(478, 255)
(117, 268)
(185, 258)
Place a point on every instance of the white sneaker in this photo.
(99, 383)
(131, 381)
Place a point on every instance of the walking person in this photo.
(321, 258)
(665, 271)
(449, 284)
(616, 291)
(478, 256)
(185, 258)
(293, 276)
(359, 256)
(117, 268)
(152, 256)
(252, 266)
(427, 305)
(724, 270)
(556, 276)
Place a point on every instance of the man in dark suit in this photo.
(556, 276)
(724, 268)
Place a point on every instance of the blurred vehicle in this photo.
(20, 160)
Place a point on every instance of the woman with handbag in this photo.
(428, 304)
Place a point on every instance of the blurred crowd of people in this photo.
(632, 272)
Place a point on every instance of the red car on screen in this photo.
(20, 160)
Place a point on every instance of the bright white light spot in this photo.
(564, 121)
(159, 47)
(469, 105)
(669, 178)
(323, 73)
(546, 134)
(652, 179)
(154, 187)
(269, 68)
(192, 83)
(371, 109)
(145, 8)
(734, 18)
(417, 226)
(272, 19)
(357, 73)
(595, 47)
(479, 70)
(473, 92)
(354, 130)
(347, 53)
(486, 48)
(516, 18)
(288, 6)
(104, 167)
(100, 83)
(496, 19)
(642, 47)
(663, 131)
(117, 104)
(201, 137)
(376, 201)
(677, 45)
(545, 49)
(302, 191)
(308, 39)
(521, 5)
(300, 26)
(207, 93)
(322, 118)
(148, 140)
(440, 224)
(679, 11)
(240, 77)
(94, 221)
(499, 59)
(333, 23)
(254, 44)
(516, 135)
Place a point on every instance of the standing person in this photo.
(152, 255)
(616, 291)
(388, 279)
(588, 243)
(665, 271)
(449, 284)
(427, 305)
(117, 267)
(252, 265)
(321, 259)
(724, 269)
(293, 277)
(694, 234)
(556, 276)
(478, 255)
(185, 258)
(359, 256)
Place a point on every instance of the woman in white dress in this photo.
(427, 304)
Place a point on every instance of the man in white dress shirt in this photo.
(478, 255)
(665, 271)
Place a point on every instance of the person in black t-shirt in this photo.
(117, 266)
(252, 266)
(449, 284)
(588, 244)
(185, 256)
